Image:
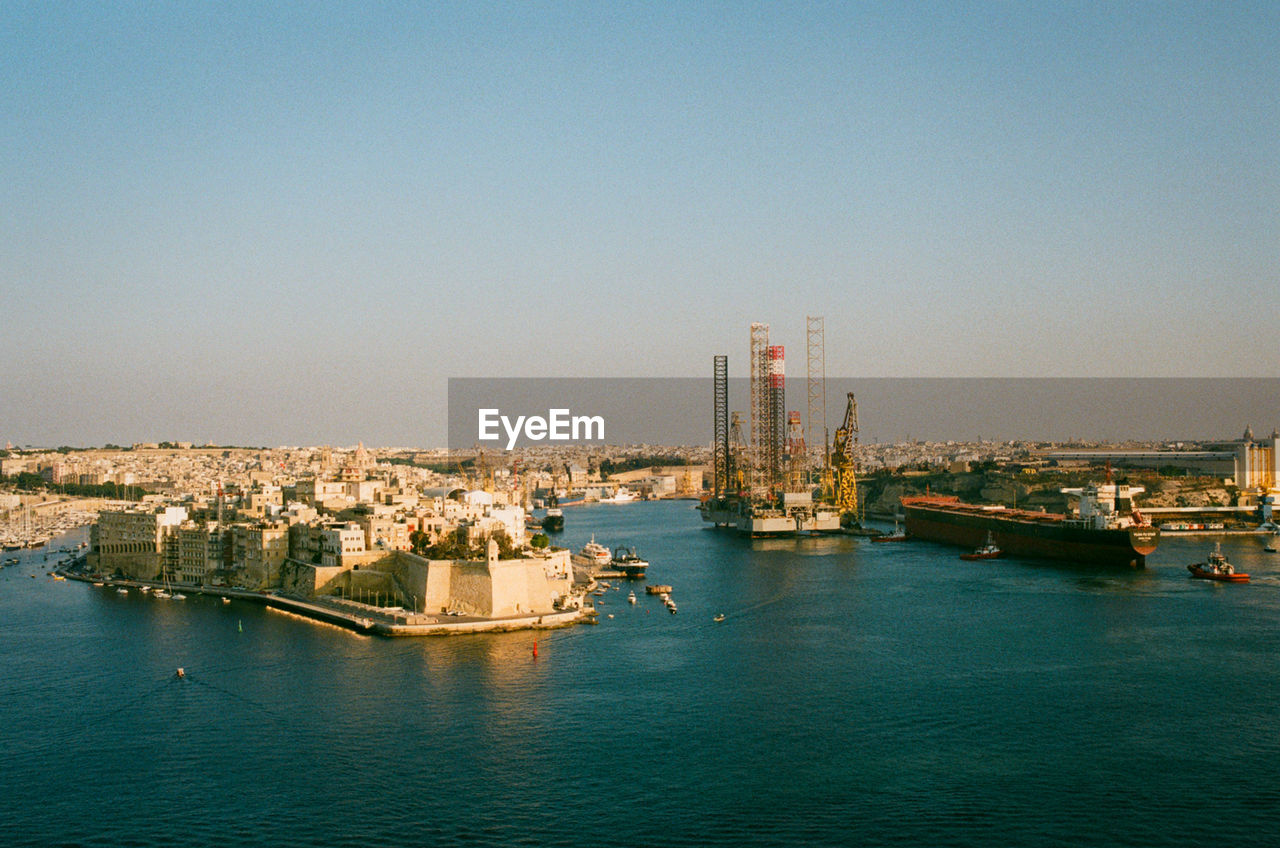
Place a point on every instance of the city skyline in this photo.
(260, 225)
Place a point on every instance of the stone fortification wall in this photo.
(135, 566)
(366, 584)
(471, 588)
(490, 588)
(308, 580)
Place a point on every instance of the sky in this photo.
(260, 223)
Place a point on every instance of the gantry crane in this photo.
(846, 481)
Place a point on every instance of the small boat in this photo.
(896, 536)
(658, 589)
(98, 583)
(178, 596)
(987, 551)
(1217, 568)
(226, 600)
(144, 589)
(122, 591)
(1270, 547)
(180, 672)
(161, 594)
(719, 617)
(58, 577)
(631, 598)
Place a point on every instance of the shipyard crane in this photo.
(846, 481)
(737, 449)
(483, 473)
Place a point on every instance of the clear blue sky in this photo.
(290, 223)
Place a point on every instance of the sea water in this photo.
(854, 694)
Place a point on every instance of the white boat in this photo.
(631, 598)
(162, 594)
(621, 496)
(178, 596)
(593, 555)
(122, 591)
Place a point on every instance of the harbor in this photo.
(904, 636)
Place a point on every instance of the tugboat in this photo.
(896, 536)
(987, 551)
(1217, 568)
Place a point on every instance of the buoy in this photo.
(535, 649)
(180, 672)
(240, 625)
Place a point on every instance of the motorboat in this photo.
(1216, 567)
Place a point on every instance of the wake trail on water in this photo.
(683, 626)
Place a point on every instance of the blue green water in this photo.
(856, 694)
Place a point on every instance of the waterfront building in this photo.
(200, 550)
(1255, 462)
(131, 541)
(258, 552)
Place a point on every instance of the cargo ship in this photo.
(1106, 529)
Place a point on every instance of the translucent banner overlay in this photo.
(679, 411)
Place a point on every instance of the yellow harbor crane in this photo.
(846, 481)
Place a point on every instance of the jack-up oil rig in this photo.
(767, 487)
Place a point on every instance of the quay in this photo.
(361, 617)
